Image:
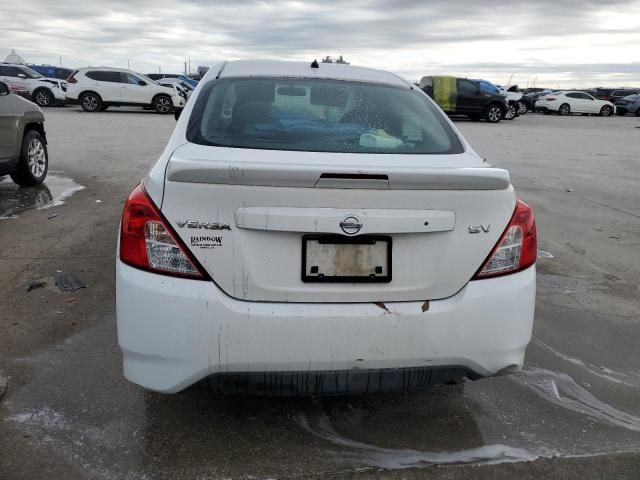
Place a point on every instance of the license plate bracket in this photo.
(339, 259)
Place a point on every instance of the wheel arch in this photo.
(84, 92)
(160, 94)
(41, 87)
(498, 104)
(36, 126)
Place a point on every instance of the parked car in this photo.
(462, 96)
(44, 91)
(177, 76)
(514, 96)
(629, 104)
(622, 93)
(51, 71)
(511, 93)
(530, 98)
(603, 93)
(321, 229)
(97, 89)
(18, 89)
(565, 103)
(490, 89)
(183, 87)
(23, 143)
(539, 105)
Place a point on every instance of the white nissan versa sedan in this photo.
(321, 229)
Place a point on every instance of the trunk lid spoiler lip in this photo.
(309, 175)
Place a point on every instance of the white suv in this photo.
(43, 91)
(97, 89)
(319, 229)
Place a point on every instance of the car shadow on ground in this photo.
(235, 435)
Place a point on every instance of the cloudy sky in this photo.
(560, 43)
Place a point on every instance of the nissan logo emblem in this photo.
(351, 225)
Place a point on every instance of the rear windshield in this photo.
(320, 116)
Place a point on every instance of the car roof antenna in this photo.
(315, 64)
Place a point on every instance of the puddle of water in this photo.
(535, 414)
(556, 388)
(52, 193)
(602, 372)
(562, 390)
(396, 458)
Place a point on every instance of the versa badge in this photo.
(204, 225)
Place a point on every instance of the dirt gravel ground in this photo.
(573, 413)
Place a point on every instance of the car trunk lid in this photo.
(256, 220)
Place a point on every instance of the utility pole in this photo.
(189, 71)
(185, 68)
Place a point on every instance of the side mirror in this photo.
(176, 113)
(22, 75)
(4, 89)
(142, 83)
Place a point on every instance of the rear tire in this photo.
(606, 111)
(564, 109)
(493, 114)
(91, 102)
(43, 97)
(162, 104)
(34, 160)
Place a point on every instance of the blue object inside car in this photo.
(52, 71)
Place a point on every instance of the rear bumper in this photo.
(174, 332)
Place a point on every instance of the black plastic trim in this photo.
(335, 382)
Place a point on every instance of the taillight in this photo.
(147, 241)
(72, 78)
(517, 248)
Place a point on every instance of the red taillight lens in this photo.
(72, 78)
(147, 241)
(517, 248)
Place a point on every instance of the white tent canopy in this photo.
(13, 57)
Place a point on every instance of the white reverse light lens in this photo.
(507, 255)
(163, 252)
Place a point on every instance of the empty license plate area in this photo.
(327, 258)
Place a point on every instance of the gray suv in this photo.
(23, 144)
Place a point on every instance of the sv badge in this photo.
(479, 228)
